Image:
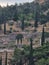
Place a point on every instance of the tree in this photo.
(1, 61)
(0, 22)
(4, 17)
(19, 55)
(4, 27)
(1, 18)
(6, 58)
(19, 37)
(22, 25)
(15, 17)
(11, 30)
(27, 8)
(43, 37)
(20, 63)
(31, 62)
(36, 20)
(43, 18)
(37, 14)
(48, 16)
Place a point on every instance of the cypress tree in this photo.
(4, 27)
(0, 26)
(6, 58)
(22, 25)
(17, 38)
(43, 37)
(31, 62)
(37, 14)
(20, 63)
(4, 17)
(36, 20)
(1, 61)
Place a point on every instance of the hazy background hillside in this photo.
(27, 10)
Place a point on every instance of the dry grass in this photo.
(39, 29)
